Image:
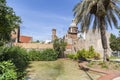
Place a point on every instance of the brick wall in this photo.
(34, 45)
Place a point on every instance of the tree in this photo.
(59, 46)
(101, 14)
(8, 21)
(114, 43)
(112, 37)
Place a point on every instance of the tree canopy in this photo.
(114, 43)
(59, 46)
(8, 21)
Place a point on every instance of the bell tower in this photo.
(73, 30)
(54, 34)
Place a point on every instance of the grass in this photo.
(111, 66)
(58, 70)
(114, 57)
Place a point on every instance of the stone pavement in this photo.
(107, 76)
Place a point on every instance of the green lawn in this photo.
(58, 70)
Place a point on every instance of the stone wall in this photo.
(93, 39)
(89, 39)
(34, 45)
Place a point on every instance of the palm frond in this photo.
(109, 19)
(77, 7)
(95, 24)
(115, 8)
(106, 22)
(88, 22)
(113, 18)
(108, 9)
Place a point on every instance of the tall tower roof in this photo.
(73, 24)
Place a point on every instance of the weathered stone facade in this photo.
(70, 37)
(78, 40)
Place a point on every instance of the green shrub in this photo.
(71, 56)
(43, 55)
(1, 43)
(96, 56)
(88, 54)
(34, 55)
(92, 53)
(7, 71)
(18, 56)
(1, 50)
(82, 54)
(59, 46)
(48, 55)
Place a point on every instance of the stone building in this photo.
(77, 40)
(71, 37)
(54, 36)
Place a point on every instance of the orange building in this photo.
(25, 39)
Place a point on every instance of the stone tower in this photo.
(54, 34)
(73, 29)
(71, 38)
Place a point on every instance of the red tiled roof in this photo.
(25, 39)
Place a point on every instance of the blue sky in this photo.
(41, 16)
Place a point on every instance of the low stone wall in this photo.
(34, 45)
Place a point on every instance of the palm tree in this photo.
(101, 14)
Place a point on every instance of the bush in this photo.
(34, 55)
(44, 55)
(59, 46)
(71, 56)
(18, 56)
(49, 55)
(7, 71)
(82, 54)
(1, 43)
(91, 52)
(88, 54)
(97, 56)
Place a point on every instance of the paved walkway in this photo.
(108, 75)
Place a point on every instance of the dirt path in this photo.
(58, 70)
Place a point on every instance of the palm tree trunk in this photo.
(103, 37)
